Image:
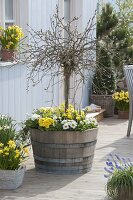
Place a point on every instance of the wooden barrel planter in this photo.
(65, 152)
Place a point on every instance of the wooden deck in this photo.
(90, 186)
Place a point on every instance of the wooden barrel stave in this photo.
(63, 156)
(44, 151)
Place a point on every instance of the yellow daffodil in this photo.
(1, 151)
(6, 154)
(10, 37)
(12, 144)
(122, 100)
(1, 145)
(6, 148)
(26, 150)
(17, 153)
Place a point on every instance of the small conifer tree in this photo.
(104, 79)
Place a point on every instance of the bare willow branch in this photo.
(61, 51)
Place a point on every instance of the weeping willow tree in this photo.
(62, 51)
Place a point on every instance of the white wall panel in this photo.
(89, 8)
(84, 9)
(14, 99)
(40, 12)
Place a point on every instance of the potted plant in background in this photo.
(122, 104)
(12, 155)
(120, 178)
(63, 140)
(9, 40)
(104, 82)
(114, 50)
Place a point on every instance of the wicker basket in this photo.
(11, 179)
(106, 102)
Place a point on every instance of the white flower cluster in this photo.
(34, 116)
(69, 124)
(90, 121)
(4, 128)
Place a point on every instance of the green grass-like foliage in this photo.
(120, 185)
(7, 129)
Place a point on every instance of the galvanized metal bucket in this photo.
(12, 179)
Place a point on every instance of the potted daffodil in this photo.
(12, 155)
(9, 40)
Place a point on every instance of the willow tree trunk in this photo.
(66, 89)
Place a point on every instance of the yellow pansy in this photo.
(46, 122)
(64, 115)
(78, 117)
(69, 116)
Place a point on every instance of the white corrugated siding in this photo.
(14, 99)
(89, 8)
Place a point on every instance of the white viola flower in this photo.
(64, 121)
(82, 122)
(54, 117)
(87, 121)
(34, 116)
(95, 123)
(59, 118)
(91, 120)
(6, 127)
(73, 124)
(65, 126)
(3, 116)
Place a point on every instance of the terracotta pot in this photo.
(125, 194)
(8, 55)
(123, 114)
